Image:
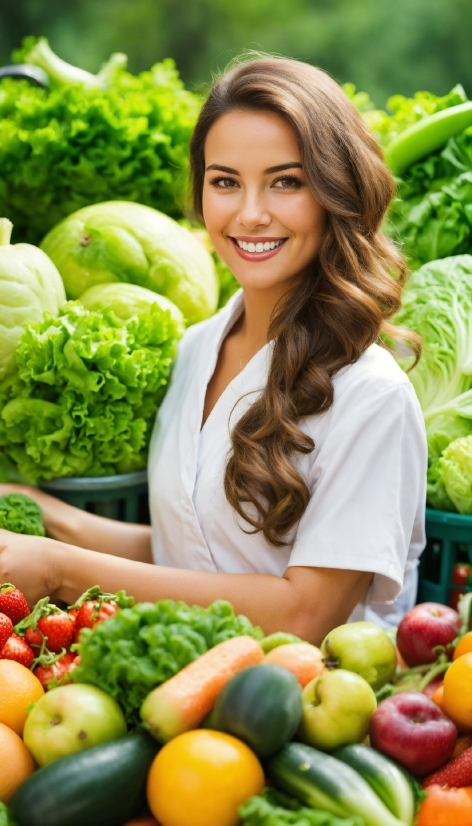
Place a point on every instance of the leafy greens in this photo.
(20, 514)
(273, 808)
(142, 646)
(437, 304)
(85, 392)
(71, 146)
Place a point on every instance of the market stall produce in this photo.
(103, 761)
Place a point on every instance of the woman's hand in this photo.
(26, 562)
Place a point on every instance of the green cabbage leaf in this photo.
(85, 393)
(437, 304)
(142, 646)
(453, 472)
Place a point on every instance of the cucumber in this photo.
(323, 782)
(386, 778)
(102, 786)
(262, 705)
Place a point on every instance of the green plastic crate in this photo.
(449, 542)
(123, 497)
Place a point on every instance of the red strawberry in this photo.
(457, 772)
(57, 670)
(58, 628)
(17, 649)
(91, 612)
(13, 603)
(6, 629)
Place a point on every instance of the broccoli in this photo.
(20, 514)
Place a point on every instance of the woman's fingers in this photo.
(25, 562)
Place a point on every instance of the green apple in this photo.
(362, 647)
(71, 718)
(337, 707)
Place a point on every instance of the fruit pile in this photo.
(343, 734)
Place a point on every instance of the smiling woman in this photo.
(288, 459)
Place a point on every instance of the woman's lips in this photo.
(257, 256)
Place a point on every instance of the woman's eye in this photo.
(288, 182)
(223, 183)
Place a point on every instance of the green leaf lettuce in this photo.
(85, 393)
(142, 646)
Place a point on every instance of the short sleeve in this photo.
(368, 491)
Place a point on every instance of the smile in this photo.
(257, 250)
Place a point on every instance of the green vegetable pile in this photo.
(84, 396)
(91, 138)
(273, 808)
(437, 304)
(142, 646)
(20, 514)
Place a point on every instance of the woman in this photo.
(288, 460)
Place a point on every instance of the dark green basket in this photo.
(449, 543)
(123, 497)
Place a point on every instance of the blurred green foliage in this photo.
(381, 46)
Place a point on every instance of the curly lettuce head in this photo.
(117, 241)
(86, 391)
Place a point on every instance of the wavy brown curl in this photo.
(338, 309)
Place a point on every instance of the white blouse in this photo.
(366, 474)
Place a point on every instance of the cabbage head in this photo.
(454, 471)
(437, 304)
(119, 241)
(127, 300)
(29, 285)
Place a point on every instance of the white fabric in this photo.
(366, 474)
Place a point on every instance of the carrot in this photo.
(181, 703)
(301, 658)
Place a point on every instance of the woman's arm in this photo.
(305, 601)
(87, 530)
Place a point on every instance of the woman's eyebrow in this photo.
(269, 171)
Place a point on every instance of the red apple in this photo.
(424, 627)
(411, 729)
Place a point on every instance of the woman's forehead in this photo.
(257, 137)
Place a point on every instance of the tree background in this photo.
(384, 47)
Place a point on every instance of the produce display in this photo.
(165, 709)
(121, 714)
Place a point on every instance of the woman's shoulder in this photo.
(374, 373)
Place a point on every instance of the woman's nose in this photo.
(253, 211)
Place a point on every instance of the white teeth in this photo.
(259, 246)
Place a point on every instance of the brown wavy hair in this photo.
(338, 309)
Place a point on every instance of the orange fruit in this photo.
(16, 762)
(18, 688)
(202, 775)
(457, 697)
(446, 807)
(301, 658)
(438, 697)
(464, 646)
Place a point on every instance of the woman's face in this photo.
(262, 218)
